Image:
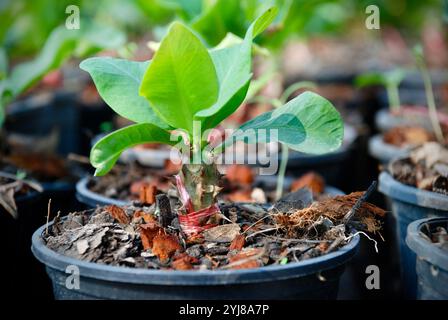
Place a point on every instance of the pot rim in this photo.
(121, 274)
(424, 249)
(412, 195)
(86, 196)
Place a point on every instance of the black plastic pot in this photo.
(410, 204)
(432, 261)
(40, 114)
(21, 274)
(316, 278)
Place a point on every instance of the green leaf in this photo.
(118, 82)
(233, 67)
(391, 78)
(56, 50)
(60, 45)
(3, 64)
(308, 123)
(106, 152)
(181, 79)
(222, 17)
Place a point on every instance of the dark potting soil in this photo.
(240, 236)
(426, 168)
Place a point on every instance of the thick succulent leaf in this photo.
(308, 123)
(118, 82)
(106, 151)
(181, 79)
(233, 67)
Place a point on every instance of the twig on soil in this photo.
(359, 203)
(253, 224)
(262, 231)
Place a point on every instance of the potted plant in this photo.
(171, 91)
(416, 187)
(405, 127)
(27, 158)
(428, 239)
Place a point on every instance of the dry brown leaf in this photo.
(311, 180)
(238, 242)
(222, 233)
(165, 245)
(240, 174)
(117, 213)
(147, 233)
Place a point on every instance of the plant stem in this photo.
(431, 102)
(282, 171)
(393, 97)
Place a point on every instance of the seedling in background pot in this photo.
(186, 83)
(419, 57)
(390, 80)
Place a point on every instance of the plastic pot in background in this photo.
(297, 280)
(432, 261)
(22, 275)
(41, 115)
(385, 152)
(410, 204)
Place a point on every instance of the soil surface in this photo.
(135, 182)
(239, 236)
(426, 168)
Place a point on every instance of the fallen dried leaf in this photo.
(165, 245)
(222, 233)
(117, 213)
(147, 234)
(240, 174)
(238, 242)
(148, 193)
(311, 180)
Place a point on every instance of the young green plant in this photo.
(187, 87)
(419, 57)
(390, 80)
(61, 44)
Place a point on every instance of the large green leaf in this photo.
(106, 152)
(222, 17)
(308, 123)
(118, 82)
(56, 50)
(181, 79)
(60, 45)
(233, 67)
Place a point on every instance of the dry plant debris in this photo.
(408, 136)
(248, 235)
(426, 168)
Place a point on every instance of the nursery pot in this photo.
(21, 272)
(410, 204)
(315, 278)
(432, 261)
(41, 114)
(384, 152)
